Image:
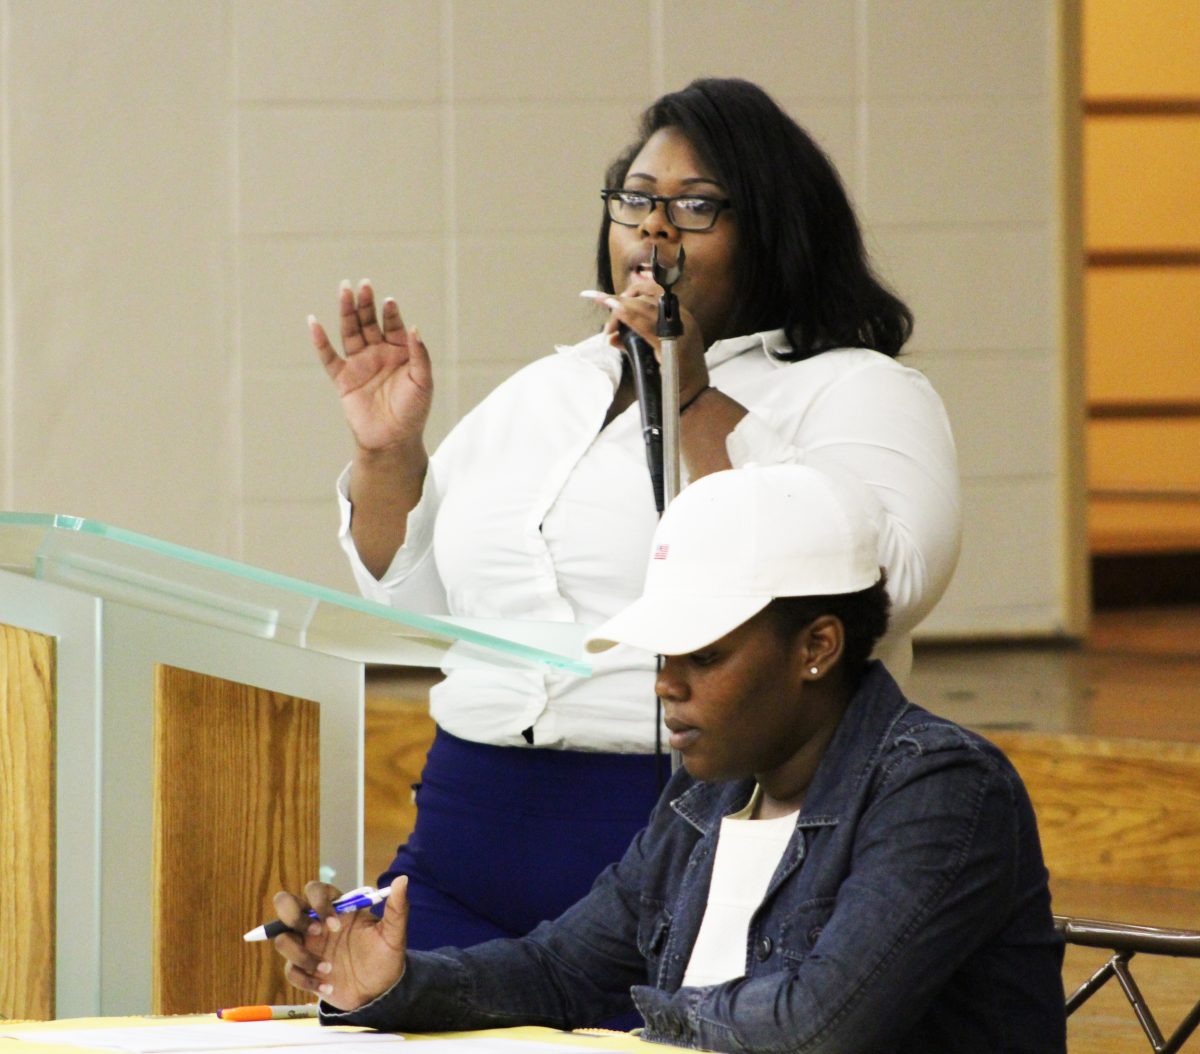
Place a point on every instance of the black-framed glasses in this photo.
(687, 212)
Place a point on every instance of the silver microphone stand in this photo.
(668, 329)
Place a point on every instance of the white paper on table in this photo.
(210, 1036)
(498, 1045)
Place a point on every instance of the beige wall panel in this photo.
(967, 162)
(1008, 577)
(497, 271)
(534, 167)
(297, 538)
(117, 158)
(792, 48)
(834, 126)
(302, 171)
(1143, 333)
(935, 49)
(968, 299)
(288, 279)
(1144, 48)
(383, 50)
(266, 149)
(1153, 453)
(1142, 174)
(550, 49)
(296, 438)
(1013, 432)
(1143, 526)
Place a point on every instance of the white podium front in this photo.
(181, 735)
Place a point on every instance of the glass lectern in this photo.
(181, 735)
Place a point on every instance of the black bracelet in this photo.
(706, 388)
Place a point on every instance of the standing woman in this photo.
(538, 505)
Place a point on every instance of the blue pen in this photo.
(355, 900)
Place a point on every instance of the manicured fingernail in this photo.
(324, 967)
(314, 929)
(612, 302)
(363, 282)
(325, 989)
(346, 286)
(334, 924)
(593, 294)
(312, 320)
(389, 300)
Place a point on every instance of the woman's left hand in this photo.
(637, 308)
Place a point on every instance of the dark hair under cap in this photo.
(863, 615)
(801, 264)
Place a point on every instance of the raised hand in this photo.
(384, 379)
(349, 959)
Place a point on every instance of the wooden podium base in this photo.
(27, 705)
(236, 818)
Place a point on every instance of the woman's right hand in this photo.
(348, 960)
(384, 379)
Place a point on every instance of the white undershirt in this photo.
(748, 853)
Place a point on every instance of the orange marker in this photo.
(267, 1013)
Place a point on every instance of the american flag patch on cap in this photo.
(660, 552)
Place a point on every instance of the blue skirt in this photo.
(508, 836)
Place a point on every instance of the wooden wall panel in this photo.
(1140, 176)
(1144, 48)
(399, 731)
(236, 818)
(27, 824)
(1145, 454)
(1125, 526)
(1143, 333)
(1113, 811)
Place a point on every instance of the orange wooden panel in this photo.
(1144, 454)
(1141, 176)
(1143, 333)
(1120, 812)
(236, 818)
(1141, 48)
(27, 824)
(399, 732)
(1116, 526)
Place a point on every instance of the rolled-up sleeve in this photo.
(411, 580)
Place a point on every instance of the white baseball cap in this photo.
(732, 542)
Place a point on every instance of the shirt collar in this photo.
(771, 343)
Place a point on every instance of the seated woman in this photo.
(834, 868)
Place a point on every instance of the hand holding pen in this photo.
(355, 900)
(345, 955)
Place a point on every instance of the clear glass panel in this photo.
(134, 569)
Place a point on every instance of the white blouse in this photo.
(532, 510)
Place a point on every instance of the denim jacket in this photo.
(910, 913)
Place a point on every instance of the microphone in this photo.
(647, 383)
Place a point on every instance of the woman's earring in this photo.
(813, 670)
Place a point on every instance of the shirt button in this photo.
(762, 950)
